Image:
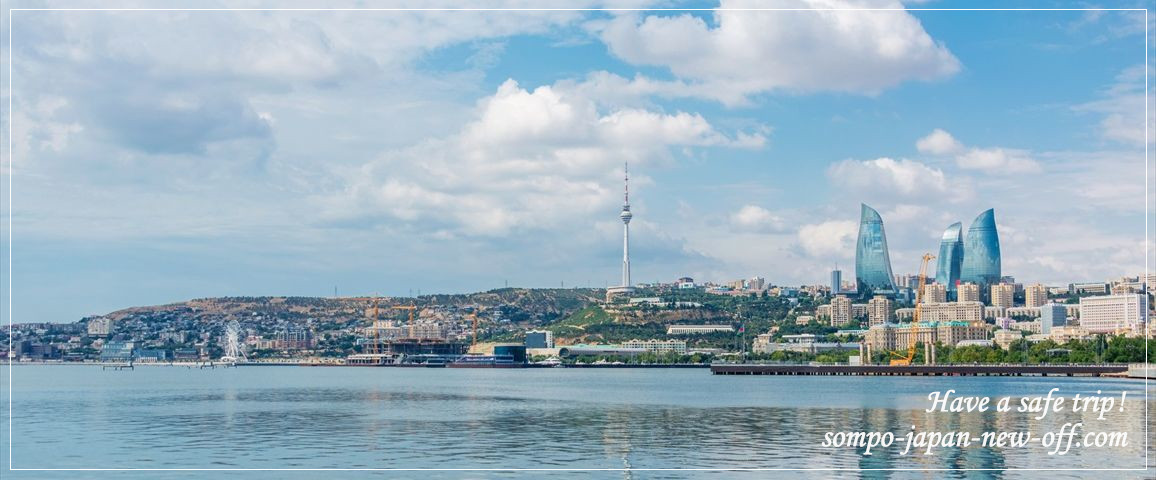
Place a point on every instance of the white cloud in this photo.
(904, 177)
(938, 142)
(833, 238)
(753, 218)
(998, 160)
(994, 160)
(747, 52)
(531, 159)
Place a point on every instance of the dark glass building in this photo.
(950, 264)
(872, 262)
(981, 260)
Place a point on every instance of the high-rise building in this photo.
(880, 310)
(540, 339)
(948, 269)
(935, 293)
(1035, 295)
(981, 257)
(1003, 295)
(1112, 313)
(872, 262)
(756, 283)
(967, 292)
(841, 310)
(1052, 315)
(836, 281)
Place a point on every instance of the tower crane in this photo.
(411, 308)
(906, 360)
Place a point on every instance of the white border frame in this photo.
(12, 175)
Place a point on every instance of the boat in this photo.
(486, 361)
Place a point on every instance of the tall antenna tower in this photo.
(233, 351)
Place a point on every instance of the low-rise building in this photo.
(697, 329)
(658, 346)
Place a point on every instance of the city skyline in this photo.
(286, 153)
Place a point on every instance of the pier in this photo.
(999, 370)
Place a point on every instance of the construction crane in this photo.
(906, 360)
(411, 308)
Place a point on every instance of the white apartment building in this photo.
(1111, 313)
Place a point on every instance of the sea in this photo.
(81, 421)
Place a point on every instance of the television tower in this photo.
(626, 216)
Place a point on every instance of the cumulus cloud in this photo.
(833, 238)
(531, 159)
(938, 142)
(998, 160)
(756, 219)
(904, 177)
(747, 52)
(995, 160)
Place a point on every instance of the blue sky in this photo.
(162, 156)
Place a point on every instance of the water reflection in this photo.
(299, 419)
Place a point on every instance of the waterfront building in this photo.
(539, 339)
(803, 343)
(841, 313)
(967, 292)
(898, 336)
(697, 329)
(836, 281)
(950, 261)
(1114, 313)
(880, 310)
(981, 254)
(117, 351)
(1003, 295)
(1035, 295)
(872, 261)
(1052, 315)
(658, 346)
(935, 293)
(969, 312)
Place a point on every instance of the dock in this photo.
(1000, 370)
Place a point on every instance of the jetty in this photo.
(993, 370)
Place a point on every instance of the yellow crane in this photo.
(411, 308)
(906, 360)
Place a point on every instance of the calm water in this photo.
(301, 417)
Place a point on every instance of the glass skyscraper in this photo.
(981, 260)
(872, 262)
(947, 271)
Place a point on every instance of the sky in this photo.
(157, 156)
